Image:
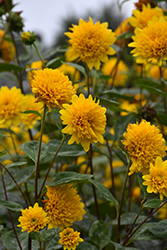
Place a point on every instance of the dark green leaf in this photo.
(66, 150)
(159, 229)
(70, 177)
(117, 94)
(46, 235)
(140, 181)
(162, 118)
(10, 67)
(86, 246)
(78, 67)
(54, 63)
(144, 233)
(31, 149)
(106, 194)
(128, 218)
(108, 103)
(16, 164)
(10, 205)
(120, 247)
(2, 153)
(31, 112)
(100, 234)
(154, 203)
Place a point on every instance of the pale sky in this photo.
(45, 16)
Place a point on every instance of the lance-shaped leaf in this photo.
(70, 177)
(10, 205)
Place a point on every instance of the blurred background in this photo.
(50, 19)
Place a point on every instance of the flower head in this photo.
(63, 206)
(90, 42)
(156, 180)
(28, 37)
(33, 219)
(140, 18)
(162, 212)
(155, 49)
(52, 87)
(34, 65)
(29, 120)
(12, 101)
(7, 49)
(144, 144)
(85, 120)
(69, 239)
(109, 68)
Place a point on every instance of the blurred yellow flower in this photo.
(122, 28)
(130, 107)
(28, 37)
(85, 120)
(12, 101)
(140, 18)
(52, 87)
(33, 219)
(162, 212)
(63, 206)
(69, 239)
(29, 120)
(121, 70)
(154, 72)
(90, 42)
(34, 65)
(45, 138)
(156, 180)
(71, 71)
(144, 143)
(7, 49)
(136, 193)
(155, 49)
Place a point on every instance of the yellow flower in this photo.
(7, 49)
(109, 68)
(45, 138)
(122, 28)
(154, 72)
(136, 193)
(85, 120)
(63, 206)
(140, 18)
(156, 180)
(90, 43)
(29, 120)
(28, 37)
(144, 143)
(33, 219)
(52, 87)
(34, 65)
(12, 101)
(151, 42)
(162, 212)
(131, 107)
(69, 239)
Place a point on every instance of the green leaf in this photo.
(106, 194)
(120, 247)
(140, 181)
(128, 218)
(10, 242)
(100, 234)
(10, 67)
(144, 233)
(162, 119)
(16, 164)
(154, 203)
(10, 205)
(148, 82)
(66, 150)
(78, 67)
(86, 246)
(46, 235)
(31, 149)
(117, 94)
(108, 103)
(2, 153)
(31, 112)
(70, 177)
(54, 63)
(159, 229)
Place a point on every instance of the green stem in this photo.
(40, 243)
(94, 82)
(61, 144)
(88, 79)
(94, 190)
(11, 219)
(39, 151)
(163, 88)
(125, 244)
(14, 145)
(15, 183)
(137, 216)
(43, 64)
(121, 204)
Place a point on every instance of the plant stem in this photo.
(43, 64)
(121, 204)
(39, 151)
(6, 197)
(61, 144)
(13, 142)
(88, 79)
(94, 190)
(163, 88)
(15, 183)
(130, 230)
(111, 167)
(125, 244)
(40, 243)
